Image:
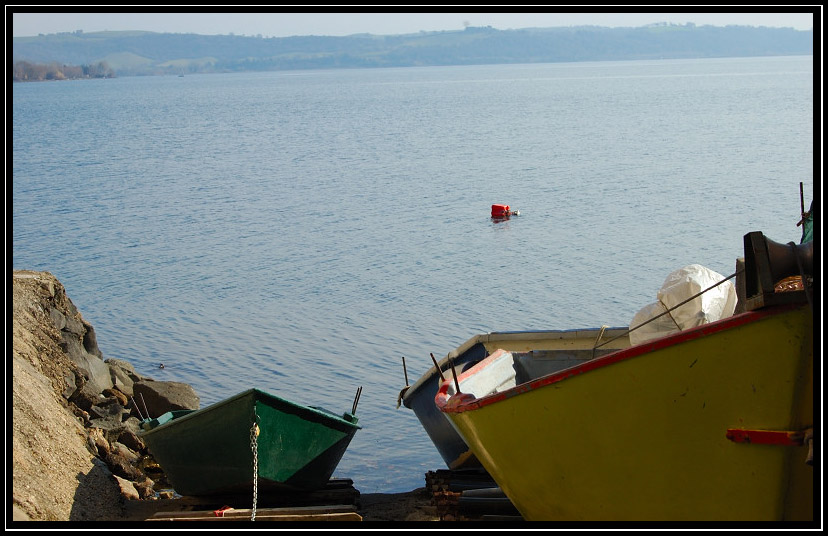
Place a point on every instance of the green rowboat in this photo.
(211, 450)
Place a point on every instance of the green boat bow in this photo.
(214, 450)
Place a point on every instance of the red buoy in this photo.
(500, 211)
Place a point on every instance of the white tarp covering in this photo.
(715, 304)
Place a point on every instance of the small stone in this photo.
(125, 452)
(117, 395)
(98, 442)
(69, 385)
(120, 466)
(127, 488)
(131, 440)
(80, 414)
(145, 488)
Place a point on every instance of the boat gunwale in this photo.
(467, 402)
(482, 338)
(258, 395)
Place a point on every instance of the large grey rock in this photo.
(94, 370)
(131, 439)
(79, 342)
(126, 488)
(70, 385)
(90, 340)
(120, 378)
(123, 375)
(115, 429)
(58, 318)
(127, 368)
(109, 418)
(93, 367)
(87, 395)
(160, 397)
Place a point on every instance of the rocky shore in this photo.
(76, 450)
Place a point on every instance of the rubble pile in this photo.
(107, 397)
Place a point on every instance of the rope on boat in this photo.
(600, 334)
(673, 308)
(668, 314)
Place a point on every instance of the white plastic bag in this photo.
(715, 304)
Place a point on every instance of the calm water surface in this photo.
(301, 232)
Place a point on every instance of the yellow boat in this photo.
(551, 350)
(712, 423)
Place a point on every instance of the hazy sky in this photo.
(287, 24)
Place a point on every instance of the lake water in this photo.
(301, 232)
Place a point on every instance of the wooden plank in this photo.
(343, 516)
(337, 516)
(337, 491)
(267, 499)
(510, 519)
(302, 513)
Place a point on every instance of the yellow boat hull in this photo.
(643, 433)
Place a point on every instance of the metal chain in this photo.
(254, 433)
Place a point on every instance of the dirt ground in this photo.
(386, 508)
(412, 506)
(54, 475)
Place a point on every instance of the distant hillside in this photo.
(141, 53)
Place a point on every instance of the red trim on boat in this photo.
(467, 402)
(766, 437)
